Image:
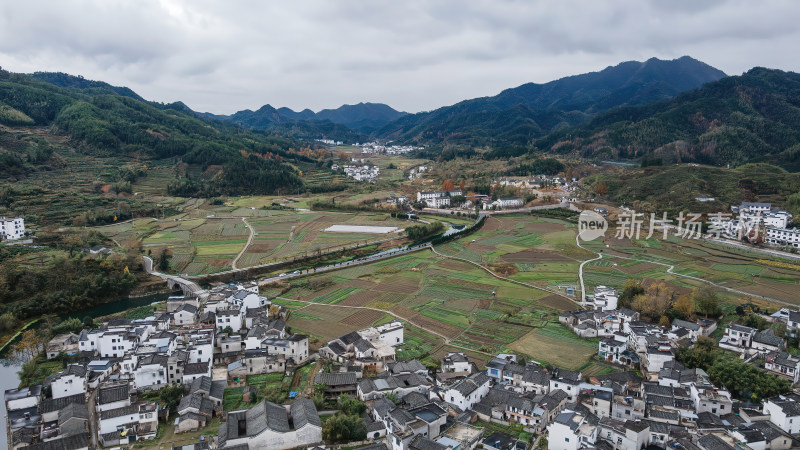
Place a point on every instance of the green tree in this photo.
(163, 260)
(707, 301)
(344, 428)
(351, 405)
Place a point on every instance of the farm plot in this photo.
(556, 345)
(283, 235)
(455, 299)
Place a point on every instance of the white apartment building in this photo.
(12, 228)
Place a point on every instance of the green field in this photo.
(453, 298)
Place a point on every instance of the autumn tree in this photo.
(30, 343)
(461, 186)
(654, 301)
(664, 322)
(684, 306)
(707, 301)
(601, 189)
(448, 185)
(631, 289)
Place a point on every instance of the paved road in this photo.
(354, 262)
(507, 211)
(765, 251)
(247, 244)
(580, 268)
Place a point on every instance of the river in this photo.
(9, 368)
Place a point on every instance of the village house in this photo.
(783, 364)
(67, 343)
(268, 425)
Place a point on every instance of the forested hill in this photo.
(348, 123)
(518, 115)
(754, 117)
(103, 120)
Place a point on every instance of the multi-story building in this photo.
(12, 228)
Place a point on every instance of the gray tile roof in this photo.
(470, 384)
(113, 393)
(335, 379)
(76, 441)
(73, 410)
(303, 412)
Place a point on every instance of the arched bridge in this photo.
(189, 288)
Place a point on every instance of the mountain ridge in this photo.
(575, 98)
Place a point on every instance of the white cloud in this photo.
(414, 55)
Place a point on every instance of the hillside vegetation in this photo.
(99, 121)
(754, 117)
(519, 115)
(675, 188)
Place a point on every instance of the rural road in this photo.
(367, 259)
(247, 244)
(580, 268)
(671, 271)
(393, 314)
(522, 283)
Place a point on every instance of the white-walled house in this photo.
(230, 318)
(12, 228)
(294, 348)
(391, 333)
(784, 411)
(70, 381)
(186, 314)
(784, 364)
(151, 372)
(456, 362)
(571, 431)
(467, 392)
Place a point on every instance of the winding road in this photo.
(391, 313)
(247, 244)
(671, 271)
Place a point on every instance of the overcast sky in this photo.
(224, 56)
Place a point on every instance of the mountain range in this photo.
(520, 114)
(754, 117)
(363, 118)
(680, 110)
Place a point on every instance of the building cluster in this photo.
(329, 142)
(532, 182)
(416, 172)
(759, 222)
(365, 172)
(377, 148)
(437, 199)
(678, 409)
(103, 390)
(12, 228)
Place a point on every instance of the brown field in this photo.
(553, 350)
(543, 227)
(360, 298)
(558, 302)
(527, 256)
(446, 329)
(639, 268)
(363, 318)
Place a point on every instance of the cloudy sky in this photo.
(224, 56)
